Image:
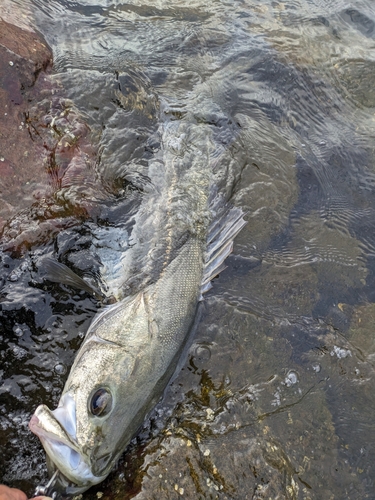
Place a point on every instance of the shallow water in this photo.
(274, 397)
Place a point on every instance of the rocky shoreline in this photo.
(46, 156)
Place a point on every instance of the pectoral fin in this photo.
(60, 273)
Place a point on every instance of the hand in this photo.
(14, 494)
(11, 493)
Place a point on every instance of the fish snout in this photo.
(57, 432)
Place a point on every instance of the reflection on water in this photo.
(274, 398)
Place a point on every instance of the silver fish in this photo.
(132, 347)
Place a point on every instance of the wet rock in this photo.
(348, 360)
(24, 59)
(356, 75)
(47, 156)
(361, 331)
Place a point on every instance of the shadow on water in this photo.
(274, 396)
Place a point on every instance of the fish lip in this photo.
(62, 451)
(38, 430)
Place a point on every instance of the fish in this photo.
(180, 237)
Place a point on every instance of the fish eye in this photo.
(101, 402)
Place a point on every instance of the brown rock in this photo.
(47, 160)
(24, 57)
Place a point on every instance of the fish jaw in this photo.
(61, 447)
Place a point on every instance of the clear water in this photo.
(274, 398)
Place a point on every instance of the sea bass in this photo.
(181, 236)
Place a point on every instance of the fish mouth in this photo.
(59, 487)
(62, 449)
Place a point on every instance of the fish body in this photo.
(132, 347)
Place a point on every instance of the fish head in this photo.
(99, 410)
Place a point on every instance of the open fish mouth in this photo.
(56, 431)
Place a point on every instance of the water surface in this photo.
(274, 397)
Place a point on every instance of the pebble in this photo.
(210, 414)
(60, 369)
(291, 379)
(18, 331)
